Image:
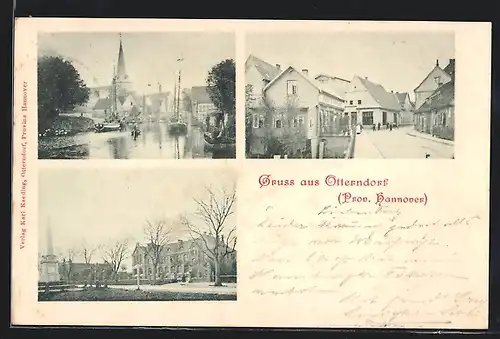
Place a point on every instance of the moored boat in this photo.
(177, 128)
(108, 127)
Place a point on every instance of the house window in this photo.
(359, 102)
(278, 123)
(291, 87)
(350, 102)
(298, 121)
(255, 122)
(368, 118)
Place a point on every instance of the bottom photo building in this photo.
(137, 235)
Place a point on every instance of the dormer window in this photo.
(291, 87)
(438, 80)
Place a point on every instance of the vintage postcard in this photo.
(387, 95)
(199, 225)
(120, 109)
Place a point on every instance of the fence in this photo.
(57, 286)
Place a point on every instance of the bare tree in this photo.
(157, 234)
(220, 240)
(68, 258)
(114, 256)
(88, 252)
(285, 127)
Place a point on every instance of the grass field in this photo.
(113, 294)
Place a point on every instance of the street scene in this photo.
(136, 95)
(137, 235)
(392, 97)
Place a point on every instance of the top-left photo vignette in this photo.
(136, 95)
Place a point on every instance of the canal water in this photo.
(154, 142)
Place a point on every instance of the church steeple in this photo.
(123, 84)
(121, 73)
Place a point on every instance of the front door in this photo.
(384, 118)
(354, 118)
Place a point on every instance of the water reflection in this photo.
(153, 142)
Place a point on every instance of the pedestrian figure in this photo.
(373, 127)
(378, 126)
(390, 127)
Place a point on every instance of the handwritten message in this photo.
(373, 265)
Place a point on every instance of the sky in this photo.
(397, 61)
(150, 58)
(101, 206)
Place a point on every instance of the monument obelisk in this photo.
(49, 264)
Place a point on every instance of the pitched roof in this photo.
(321, 87)
(401, 97)
(380, 95)
(103, 103)
(429, 74)
(268, 71)
(180, 245)
(199, 94)
(443, 96)
(330, 76)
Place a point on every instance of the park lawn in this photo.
(114, 294)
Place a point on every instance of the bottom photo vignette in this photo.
(137, 234)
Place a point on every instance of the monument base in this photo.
(49, 272)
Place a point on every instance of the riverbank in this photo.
(68, 125)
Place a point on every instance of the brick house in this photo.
(181, 259)
(203, 110)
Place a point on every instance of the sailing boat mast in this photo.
(113, 94)
(179, 87)
(175, 97)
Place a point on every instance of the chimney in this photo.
(305, 71)
(437, 62)
(366, 78)
(159, 88)
(278, 66)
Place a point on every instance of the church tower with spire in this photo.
(123, 83)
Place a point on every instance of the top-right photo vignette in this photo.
(350, 95)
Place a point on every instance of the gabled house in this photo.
(303, 107)
(436, 77)
(259, 73)
(436, 116)
(407, 108)
(101, 108)
(369, 103)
